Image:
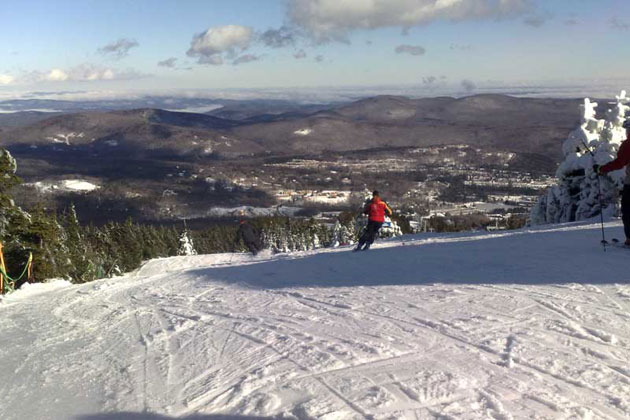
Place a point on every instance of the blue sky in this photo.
(219, 44)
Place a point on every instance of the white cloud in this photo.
(278, 38)
(212, 46)
(56, 75)
(429, 80)
(461, 47)
(80, 73)
(468, 85)
(410, 49)
(617, 23)
(434, 83)
(535, 21)
(87, 72)
(118, 49)
(214, 59)
(6, 79)
(169, 62)
(247, 58)
(327, 20)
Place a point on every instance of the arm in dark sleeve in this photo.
(388, 210)
(623, 158)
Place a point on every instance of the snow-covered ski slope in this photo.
(524, 324)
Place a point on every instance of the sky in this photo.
(124, 46)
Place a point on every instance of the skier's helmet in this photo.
(626, 123)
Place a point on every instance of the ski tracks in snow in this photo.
(172, 339)
(378, 351)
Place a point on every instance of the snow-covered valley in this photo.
(521, 324)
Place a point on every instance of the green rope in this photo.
(10, 285)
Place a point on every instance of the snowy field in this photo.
(527, 324)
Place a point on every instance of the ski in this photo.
(360, 249)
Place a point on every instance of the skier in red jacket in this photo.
(376, 210)
(623, 159)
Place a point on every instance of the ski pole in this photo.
(599, 195)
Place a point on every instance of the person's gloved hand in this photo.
(597, 169)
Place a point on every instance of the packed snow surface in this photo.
(522, 324)
(303, 132)
(78, 185)
(66, 185)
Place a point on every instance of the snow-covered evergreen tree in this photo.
(576, 196)
(342, 234)
(186, 246)
(82, 259)
(390, 229)
(12, 219)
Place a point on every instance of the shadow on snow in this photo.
(529, 258)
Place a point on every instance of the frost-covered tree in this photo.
(46, 238)
(13, 220)
(577, 196)
(22, 233)
(83, 261)
(186, 246)
(390, 229)
(341, 234)
(286, 235)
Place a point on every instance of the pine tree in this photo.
(577, 196)
(186, 246)
(14, 222)
(130, 246)
(45, 237)
(83, 260)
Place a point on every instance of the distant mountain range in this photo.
(155, 164)
(139, 132)
(248, 128)
(226, 108)
(525, 125)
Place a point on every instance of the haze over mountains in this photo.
(519, 124)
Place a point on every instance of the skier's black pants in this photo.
(625, 210)
(253, 247)
(370, 233)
